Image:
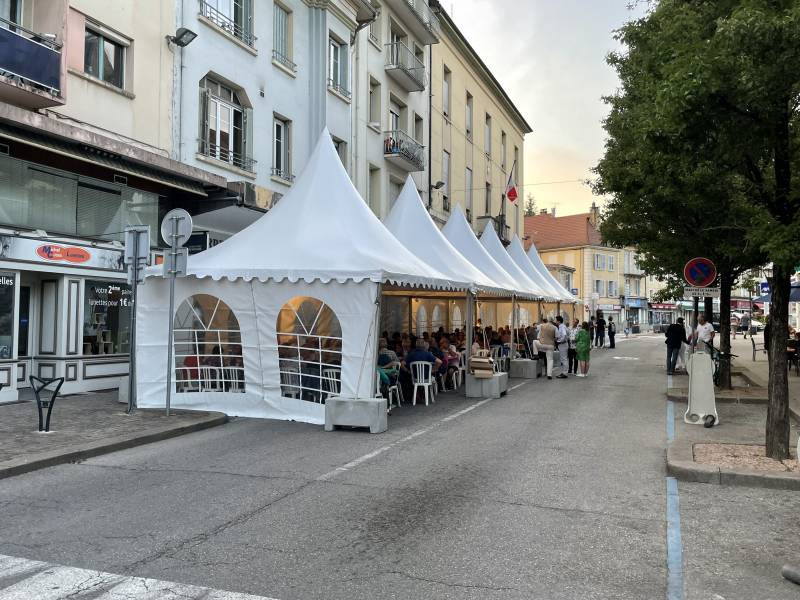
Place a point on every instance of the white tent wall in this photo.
(256, 306)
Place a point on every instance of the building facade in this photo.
(477, 136)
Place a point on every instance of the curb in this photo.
(681, 397)
(49, 459)
(681, 465)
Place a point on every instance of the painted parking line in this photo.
(674, 544)
(23, 579)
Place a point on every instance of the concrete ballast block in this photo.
(356, 412)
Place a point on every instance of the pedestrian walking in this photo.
(562, 345)
(600, 331)
(592, 328)
(583, 348)
(676, 337)
(735, 324)
(572, 355)
(745, 322)
(546, 343)
(612, 332)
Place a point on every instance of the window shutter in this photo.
(247, 20)
(249, 142)
(203, 121)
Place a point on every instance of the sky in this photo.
(549, 56)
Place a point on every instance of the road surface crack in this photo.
(448, 584)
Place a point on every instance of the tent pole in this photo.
(378, 302)
(513, 349)
(410, 315)
(469, 321)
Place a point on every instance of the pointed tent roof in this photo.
(460, 235)
(538, 264)
(517, 253)
(410, 223)
(495, 248)
(320, 230)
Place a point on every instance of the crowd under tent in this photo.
(283, 315)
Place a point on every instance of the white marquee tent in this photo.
(555, 291)
(539, 265)
(284, 313)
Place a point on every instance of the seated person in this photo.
(388, 363)
(421, 354)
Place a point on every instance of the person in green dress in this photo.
(583, 347)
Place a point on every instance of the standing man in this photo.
(612, 332)
(676, 337)
(561, 345)
(592, 327)
(547, 342)
(745, 323)
(704, 334)
(600, 331)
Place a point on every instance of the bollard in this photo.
(44, 424)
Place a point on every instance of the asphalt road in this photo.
(556, 491)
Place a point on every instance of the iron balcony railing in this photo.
(278, 57)
(400, 56)
(32, 57)
(399, 143)
(240, 28)
(281, 174)
(426, 16)
(227, 155)
(339, 88)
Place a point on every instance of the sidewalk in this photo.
(85, 425)
(742, 416)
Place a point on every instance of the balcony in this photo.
(405, 68)
(236, 24)
(503, 230)
(402, 150)
(226, 155)
(30, 67)
(419, 18)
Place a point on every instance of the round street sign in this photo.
(700, 272)
(176, 227)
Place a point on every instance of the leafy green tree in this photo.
(707, 117)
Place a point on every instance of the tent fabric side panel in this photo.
(354, 306)
(151, 348)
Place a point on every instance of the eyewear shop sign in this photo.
(36, 250)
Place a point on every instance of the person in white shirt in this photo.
(561, 346)
(704, 335)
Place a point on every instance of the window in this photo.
(394, 117)
(468, 116)
(281, 152)
(106, 317)
(488, 200)
(566, 280)
(374, 102)
(468, 190)
(612, 289)
(337, 67)
(7, 316)
(341, 149)
(611, 263)
(309, 350)
(599, 262)
(446, 92)
(374, 189)
(446, 180)
(104, 58)
(487, 136)
(375, 26)
(282, 37)
(11, 10)
(419, 129)
(224, 132)
(234, 17)
(503, 151)
(599, 287)
(207, 344)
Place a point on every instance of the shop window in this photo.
(107, 310)
(309, 350)
(6, 315)
(207, 343)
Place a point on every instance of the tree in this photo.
(720, 81)
(530, 205)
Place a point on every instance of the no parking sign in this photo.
(700, 272)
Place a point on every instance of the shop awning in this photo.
(101, 158)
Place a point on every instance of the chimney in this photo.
(594, 214)
(554, 211)
(543, 211)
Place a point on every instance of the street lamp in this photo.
(182, 38)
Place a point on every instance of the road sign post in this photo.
(175, 229)
(137, 251)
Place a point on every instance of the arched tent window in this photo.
(523, 317)
(422, 320)
(207, 345)
(457, 318)
(309, 350)
(437, 318)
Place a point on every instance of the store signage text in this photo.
(6, 281)
(71, 254)
(111, 295)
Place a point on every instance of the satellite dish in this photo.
(176, 227)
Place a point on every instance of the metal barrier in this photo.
(44, 424)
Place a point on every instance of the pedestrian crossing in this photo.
(23, 579)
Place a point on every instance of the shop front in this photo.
(662, 315)
(65, 311)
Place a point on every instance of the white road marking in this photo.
(625, 358)
(29, 579)
(362, 459)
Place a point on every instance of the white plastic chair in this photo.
(422, 376)
(290, 383)
(497, 358)
(209, 379)
(459, 373)
(331, 382)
